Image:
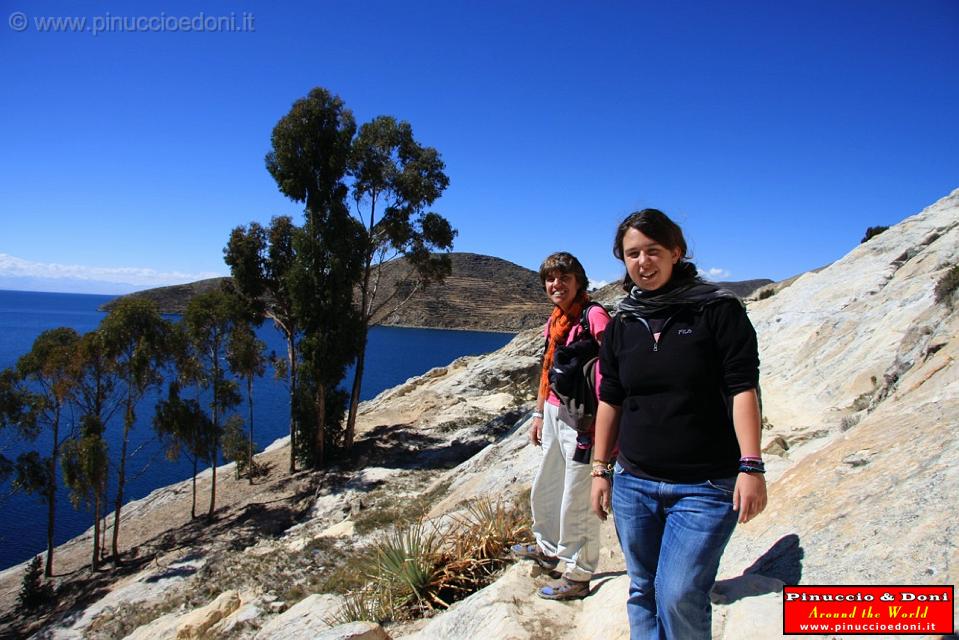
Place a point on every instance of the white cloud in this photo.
(597, 284)
(74, 276)
(715, 273)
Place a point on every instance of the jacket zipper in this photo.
(652, 335)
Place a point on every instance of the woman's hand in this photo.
(749, 496)
(599, 497)
(536, 431)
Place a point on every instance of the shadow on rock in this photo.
(779, 566)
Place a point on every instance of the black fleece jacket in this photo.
(675, 395)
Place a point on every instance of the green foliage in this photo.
(49, 370)
(872, 232)
(33, 475)
(247, 359)
(310, 150)
(768, 292)
(183, 427)
(328, 267)
(85, 463)
(261, 261)
(17, 412)
(34, 592)
(395, 181)
(237, 445)
(947, 286)
(209, 320)
(135, 337)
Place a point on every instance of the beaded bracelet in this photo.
(602, 469)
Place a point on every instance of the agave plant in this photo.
(417, 569)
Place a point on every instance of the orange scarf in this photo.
(560, 324)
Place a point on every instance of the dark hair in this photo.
(656, 225)
(564, 263)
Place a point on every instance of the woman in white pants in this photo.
(563, 525)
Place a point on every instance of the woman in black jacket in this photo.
(680, 372)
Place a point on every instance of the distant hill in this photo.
(173, 299)
(482, 293)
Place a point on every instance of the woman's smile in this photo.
(561, 289)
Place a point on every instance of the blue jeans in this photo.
(673, 536)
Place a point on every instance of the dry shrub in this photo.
(947, 285)
(419, 569)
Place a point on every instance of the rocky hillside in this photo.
(173, 299)
(860, 389)
(482, 293)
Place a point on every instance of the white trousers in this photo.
(563, 523)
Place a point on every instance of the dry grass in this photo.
(417, 570)
(947, 285)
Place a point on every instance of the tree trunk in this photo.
(52, 493)
(196, 454)
(320, 441)
(365, 302)
(249, 395)
(355, 394)
(103, 523)
(291, 353)
(215, 410)
(121, 479)
(95, 559)
(213, 485)
(193, 506)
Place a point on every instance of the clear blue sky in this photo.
(775, 133)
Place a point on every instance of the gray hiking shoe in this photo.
(534, 553)
(565, 589)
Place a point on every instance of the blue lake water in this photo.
(393, 355)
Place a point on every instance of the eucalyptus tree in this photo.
(48, 372)
(85, 461)
(260, 262)
(184, 429)
(311, 150)
(330, 257)
(309, 160)
(85, 469)
(395, 181)
(209, 319)
(247, 359)
(135, 336)
(16, 413)
(181, 424)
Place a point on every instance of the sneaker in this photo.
(565, 589)
(534, 553)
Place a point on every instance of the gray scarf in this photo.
(692, 292)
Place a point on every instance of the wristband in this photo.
(751, 466)
(538, 414)
(601, 472)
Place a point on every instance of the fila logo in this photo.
(685, 332)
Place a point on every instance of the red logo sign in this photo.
(868, 610)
